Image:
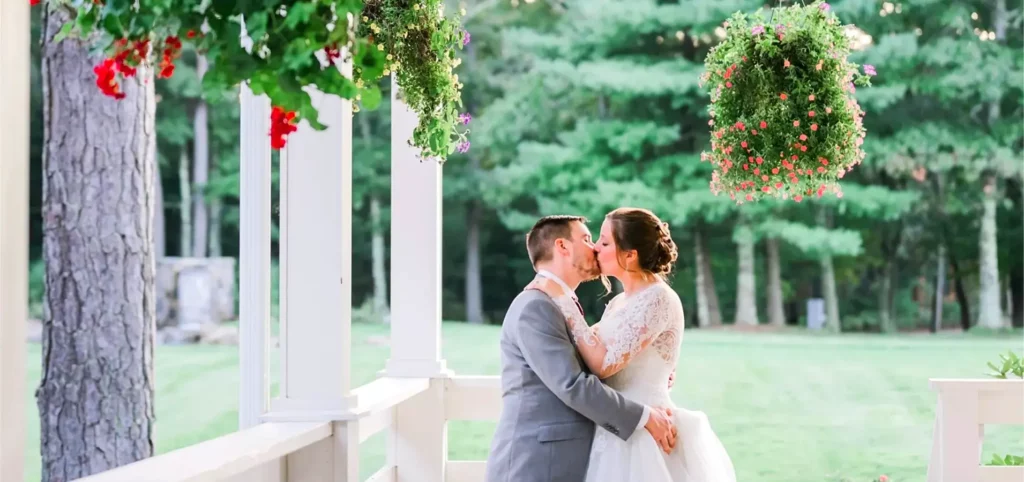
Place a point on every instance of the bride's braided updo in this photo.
(642, 230)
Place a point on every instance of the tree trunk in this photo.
(1017, 299)
(380, 277)
(377, 247)
(1016, 271)
(159, 221)
(776, 314)
(886, 324)
(474, 215)
(216, 218)
(200, 170)
(95, 398)
(708, 276)
(709, 312)
(703, 310)
(961, 293)
(216, 246)
(185, 191)
(990, 313)
(890, 247)
(474, 286)
(828, 280)
(828, 288)
(938, 295)
(746, 290)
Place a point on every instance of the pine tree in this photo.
(945, 115)
(628, 74)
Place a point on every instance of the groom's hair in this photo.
(542, 236)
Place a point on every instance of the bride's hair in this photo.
(640, 229)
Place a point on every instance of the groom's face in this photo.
(584, 259)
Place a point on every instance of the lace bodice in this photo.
(653, 314)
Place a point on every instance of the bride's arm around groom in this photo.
(544, 433)
(548, 350)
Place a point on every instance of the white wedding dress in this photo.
(653, 314)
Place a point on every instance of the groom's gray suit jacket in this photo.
(550, 402)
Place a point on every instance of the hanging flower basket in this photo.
(293, 45)
(784, 121)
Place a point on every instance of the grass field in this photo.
(789, 407)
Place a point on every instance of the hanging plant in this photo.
(420, 45)
(294, 45)
(784, 121)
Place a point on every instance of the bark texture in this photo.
(200, 171)
(96, 395)
(828, 280)
(990, 309)
(746, 289)
(709, 312)
(776, 313)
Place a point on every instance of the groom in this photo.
(550, 402)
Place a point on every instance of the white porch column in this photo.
(254, 258)
(415, 253)
(316, 266)
(14, 143)
(418, 442)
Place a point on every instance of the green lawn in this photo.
(789, 407)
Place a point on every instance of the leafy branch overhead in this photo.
(283, 49)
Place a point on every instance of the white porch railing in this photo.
(309, 451)
(964, 408)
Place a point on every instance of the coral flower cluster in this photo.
(784, 120)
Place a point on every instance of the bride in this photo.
(634, 349)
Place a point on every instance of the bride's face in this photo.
(608, 252)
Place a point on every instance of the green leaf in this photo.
(256, 24)
(371, 98)
(64, 31)
(370, 61)
(297, 55)
(350, 6)
(288, 83)
(86, 21)
(308, 112)
(299, 13)
(112, 24)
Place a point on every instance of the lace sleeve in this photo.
(640, 323)
(581, 332)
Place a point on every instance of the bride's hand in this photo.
(544, 285)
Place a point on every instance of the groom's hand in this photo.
(661, 428)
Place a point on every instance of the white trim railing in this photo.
(223, 457)
(963, 409)
(240, 455)
(470, 398)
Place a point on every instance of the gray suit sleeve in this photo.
(545, 344)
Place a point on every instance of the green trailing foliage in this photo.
(292, 47)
